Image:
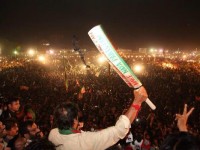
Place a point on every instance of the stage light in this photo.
(31, 52)
(101, 59)
(16, 52)
(138, 68)
(42, 59)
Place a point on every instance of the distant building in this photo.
(143, 50)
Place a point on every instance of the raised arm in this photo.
(182, 119)
(140, 95)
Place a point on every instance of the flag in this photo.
(66, 85)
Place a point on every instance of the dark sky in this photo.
(129, 23)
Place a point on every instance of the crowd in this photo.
(30, 93)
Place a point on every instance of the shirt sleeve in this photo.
(107, 137)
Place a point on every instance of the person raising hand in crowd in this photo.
(182, 119)
(183, 140)
(66, 135)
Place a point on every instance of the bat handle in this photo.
(151, 105)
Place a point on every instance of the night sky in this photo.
(130, 24)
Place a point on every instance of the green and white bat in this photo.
(105, 47)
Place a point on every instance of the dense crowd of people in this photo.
(30, 92)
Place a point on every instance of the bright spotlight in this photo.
(31, 52)
(184, 56)
(138, 68)
(83, 67)
(41, 58)
(101, 59)
(15, 52)
(51, 51)
(151, 50)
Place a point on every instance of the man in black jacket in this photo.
(13, 105)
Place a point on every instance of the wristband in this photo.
(137, 107)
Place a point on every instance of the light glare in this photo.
(31, 52)
(102, 59)
(138, 68)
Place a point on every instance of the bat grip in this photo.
(148, 101)
(151, 105)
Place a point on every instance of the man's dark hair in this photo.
(41, 144)
(9, 123)
(65, 114)
(12, 99)
(181, 141)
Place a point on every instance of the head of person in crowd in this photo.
(29, 114)
(183, 140)
(146, 144)
(66, 116)
(41, 144)
(13, 104)
(20, 143)
(30, 130)
(11, 128)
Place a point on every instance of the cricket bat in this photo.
(105, 47)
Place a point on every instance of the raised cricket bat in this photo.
(105, 47)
